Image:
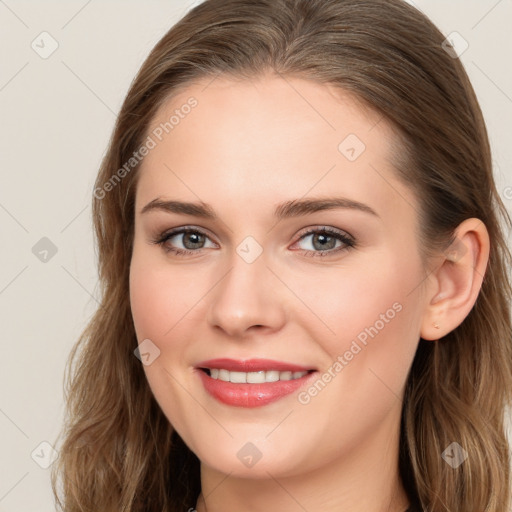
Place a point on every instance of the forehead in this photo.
(267, 140)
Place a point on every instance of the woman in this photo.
(304, 276)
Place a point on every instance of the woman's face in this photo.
(258, 283)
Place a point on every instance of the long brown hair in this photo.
(119, 451)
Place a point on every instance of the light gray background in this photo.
(56, 118)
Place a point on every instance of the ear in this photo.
(456, 280)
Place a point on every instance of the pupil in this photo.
(324, 238)
(194, 243)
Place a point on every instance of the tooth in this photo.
(256, 377)
(271, 376)
(238, 377)
(224, 375)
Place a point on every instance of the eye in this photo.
(323, 241)
(192, 239)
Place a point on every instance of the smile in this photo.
(236, 389)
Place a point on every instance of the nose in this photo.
(248, 298)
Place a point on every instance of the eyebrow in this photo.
(293, 208)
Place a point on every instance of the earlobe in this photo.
(457, 280)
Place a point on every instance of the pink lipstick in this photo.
(253, 382)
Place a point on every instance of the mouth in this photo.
(251, 383)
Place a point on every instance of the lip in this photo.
(251, 395)
(252, 365)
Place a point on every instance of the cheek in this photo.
(374, 323)
(375, 318)
(159, 295)
(147, 300)
(367, 294)
(158, 304)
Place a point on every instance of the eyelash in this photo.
(348, 241)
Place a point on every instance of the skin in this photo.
(246, 147)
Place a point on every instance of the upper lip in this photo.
(252, 365)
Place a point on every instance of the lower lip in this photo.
(251, 395)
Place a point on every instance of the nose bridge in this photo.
(246, 296)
